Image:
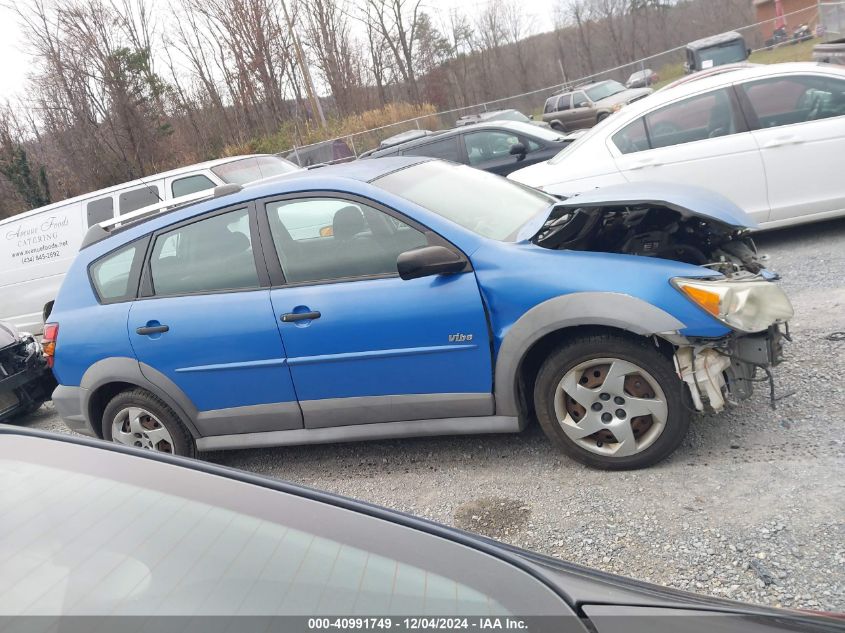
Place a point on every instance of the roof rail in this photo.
(101, 231)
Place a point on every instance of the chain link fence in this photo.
(668, 65)
(832, 20)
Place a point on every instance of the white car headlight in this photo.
(748, 306)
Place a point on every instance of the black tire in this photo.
(602, 117)
(183, 443)
(637, 350)
(557, 125)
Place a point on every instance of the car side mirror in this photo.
(427, 261)
(518, 150)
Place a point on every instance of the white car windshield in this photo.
(484, 203)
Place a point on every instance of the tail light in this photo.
(48, 342)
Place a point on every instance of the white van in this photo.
(38, 246)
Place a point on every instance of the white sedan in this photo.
(770, 138)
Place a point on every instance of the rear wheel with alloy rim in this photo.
(138, 418)
(611, 402)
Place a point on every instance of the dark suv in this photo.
(586, 105)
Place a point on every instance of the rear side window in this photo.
(111, 274)
(701, 117)
(632, 138)
(564, 103)
(190, 184)
(99, 210)
(796, 99)
(212, 254)
(135, 199)
(447, 149)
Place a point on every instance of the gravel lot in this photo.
(751, 507)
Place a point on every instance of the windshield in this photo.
(542, 133)
(253, 168)
(728, 53)
(604, 90)
(512, 115)
(484, 203)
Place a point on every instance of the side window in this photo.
(208, 255)
(135, 199)
(550, 105)
(698, 118)
(320, 239)
(488, 145)
(110, 275)
(532, 145)
(447, 149)
(99, 210)
(579, 100)
(795, 99)
(190, 184)
(565, 102)
(632, 138)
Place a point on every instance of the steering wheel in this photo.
(719, 131)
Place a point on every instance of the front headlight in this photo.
(748, 306)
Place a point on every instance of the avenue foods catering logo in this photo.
(45, 231)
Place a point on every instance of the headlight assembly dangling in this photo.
(747, 306)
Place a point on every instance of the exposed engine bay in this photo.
(652, 230)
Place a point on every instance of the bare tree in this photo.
(330, 39)
(396, 22)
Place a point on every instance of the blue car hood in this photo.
(687, 200)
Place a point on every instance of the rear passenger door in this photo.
(363, 345)
(799, 124)
(582, 114)
(204, 322)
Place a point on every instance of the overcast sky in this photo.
(14, 63)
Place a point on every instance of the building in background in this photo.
(771, 9)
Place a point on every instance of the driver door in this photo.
(363, 345)
(701, 141)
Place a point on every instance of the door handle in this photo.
(644, 163)
(290, 317)
(784, 140)
(153, 329)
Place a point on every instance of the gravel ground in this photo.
(751, 507)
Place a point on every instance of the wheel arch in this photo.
(546, 325)
(108, 377)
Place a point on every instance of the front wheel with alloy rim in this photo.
(611, 402)
(138, 418)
